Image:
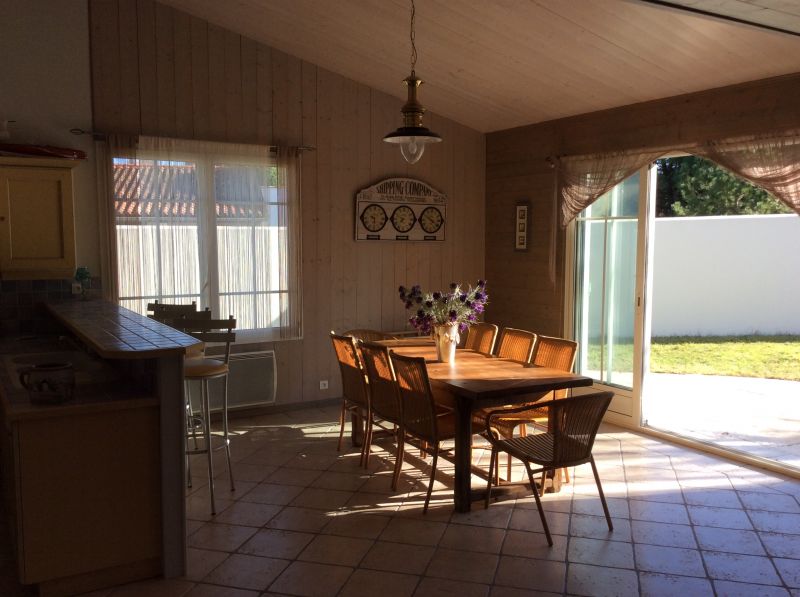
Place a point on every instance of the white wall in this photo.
(727, 275)
(45, 86)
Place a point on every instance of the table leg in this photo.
(462, 490)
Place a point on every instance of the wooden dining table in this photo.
(478, 381)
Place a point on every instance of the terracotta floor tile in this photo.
(330, 549)
(781, 545)
(658, 512)
(668, 585)
(770, 502)
(373, 583)
(659, 533)
(248, 514)
(525, 573)
(418, 532)
(246, 572)
(329, 500)
(311, 580)
(293, 476)
(789, 571)
(596, 527)
(441, 587)
(473, 538)
(737, 589)
(497, 515)
(729, 540)
(534, 545)
(222, 537)
(276, 543)
(200, 562)
(528, 520)
(742, 568)
(154, 588)
(463, 565)
(726, 518)
(718, 498)
(398, 557)
(776, 522)
(340, 481)
(594, 507)
(614, 554)
(270, 493)
(601, 582)
(365, 526)
(306, 520)
(498, 591)
(669, 560)
(204, 590)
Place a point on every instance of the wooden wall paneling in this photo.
(200, 84)
(148, 81)
(234, 130)
(316, 352)
(264, 98)
(249, 80)
(347, 183)
(104, 33)
(130, 117)
(326, 278)
(182, 44)
(217, 116)
(368, 262)
(165, 71)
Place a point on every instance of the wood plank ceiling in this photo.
(506, 63)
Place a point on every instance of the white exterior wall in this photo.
(727, 275)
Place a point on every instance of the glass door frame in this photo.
(626, 408)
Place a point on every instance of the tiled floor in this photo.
(306, 520)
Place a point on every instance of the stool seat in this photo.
(203, 367)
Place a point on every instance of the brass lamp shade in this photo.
(412, 136)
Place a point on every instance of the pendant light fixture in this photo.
(412, 137)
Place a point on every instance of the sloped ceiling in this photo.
(497, 64)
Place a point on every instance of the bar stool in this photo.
(201, 368)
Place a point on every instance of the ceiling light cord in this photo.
(413, 44)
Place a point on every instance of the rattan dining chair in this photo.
(555, 353)
(355, 392)
(481, 337)
(384, 399)
(203, 369)
(369, 335)
(516, 345)
(421, 421)
(568, 442)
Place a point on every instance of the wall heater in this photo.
(252, 381)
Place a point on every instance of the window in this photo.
(211, 228)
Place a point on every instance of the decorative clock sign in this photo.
(402, 209)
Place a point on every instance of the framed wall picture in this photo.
(522, 226)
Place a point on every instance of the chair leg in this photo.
(398, 460)
(365, 449)
(225, 430)
(602, 495)
(209, 450)
(341, 426)
(539, 505)
(492, 460)
(433, 478)
(566, 474)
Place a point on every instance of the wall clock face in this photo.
(431, 220)
(403, 218)
(373, 217)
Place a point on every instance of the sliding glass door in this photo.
(607, 239)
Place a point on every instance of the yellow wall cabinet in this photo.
(37, 225)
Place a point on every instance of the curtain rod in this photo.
(98, 136)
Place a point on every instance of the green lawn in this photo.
(776, 357)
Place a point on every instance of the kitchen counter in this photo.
(95, 485)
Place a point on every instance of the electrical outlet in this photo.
(77, 288)
(323, 384)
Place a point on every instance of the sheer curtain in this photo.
(214, 223)
(771, 162)
(583, 179)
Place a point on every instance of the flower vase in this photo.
(445, 335)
